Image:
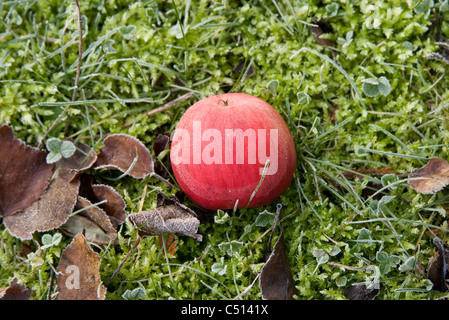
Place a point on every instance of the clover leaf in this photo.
(59, 149)
(264, 218)
(48, 240)
(231, 248)
(372, 86)
(221, 217)
(386, 261)
(219, 267)
(135, 294)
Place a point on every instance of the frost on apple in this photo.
(241, 151)
(189, 149)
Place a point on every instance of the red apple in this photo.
(220, 149)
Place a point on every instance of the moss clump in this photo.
(140, 55)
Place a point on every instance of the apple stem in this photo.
(225, 102)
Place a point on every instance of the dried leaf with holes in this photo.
(127, 154)
(79, 274)
(166, 219)
(50, 211)
(15, 291)
(276, 280)
(24, 173)
(431, 178)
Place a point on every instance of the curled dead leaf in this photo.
(24, 173)
(276, 279)
(78, 273)
(431, 178)
(100, 209)
(114, 206)
(160, 144)
(15, 291)
(127, 154)
(166, 219)
(107, 198)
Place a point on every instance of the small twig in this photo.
(336, 264)
(276, 219)
(270, 229)
(124, 260)
(142, 199)
(77, 78)
(52, 273)
(162, 108)
(247, 288)
(165, 181)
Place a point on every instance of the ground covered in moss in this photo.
(370, 93)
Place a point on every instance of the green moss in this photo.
(138, 57)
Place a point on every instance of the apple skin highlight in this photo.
(215, 168)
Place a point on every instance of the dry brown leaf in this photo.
(96, 193)
(276, 279)
(114, 205)
(431, 178)
(83, 158)
(119, 152)
(161, 144)
(24, 173)
(170, 244)
(438, 270)
(166, 219)
(96, 215)
(15, 291)
(100, 211)
(50, 211)
(78, 273)
(360, 292)
(78, 224)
